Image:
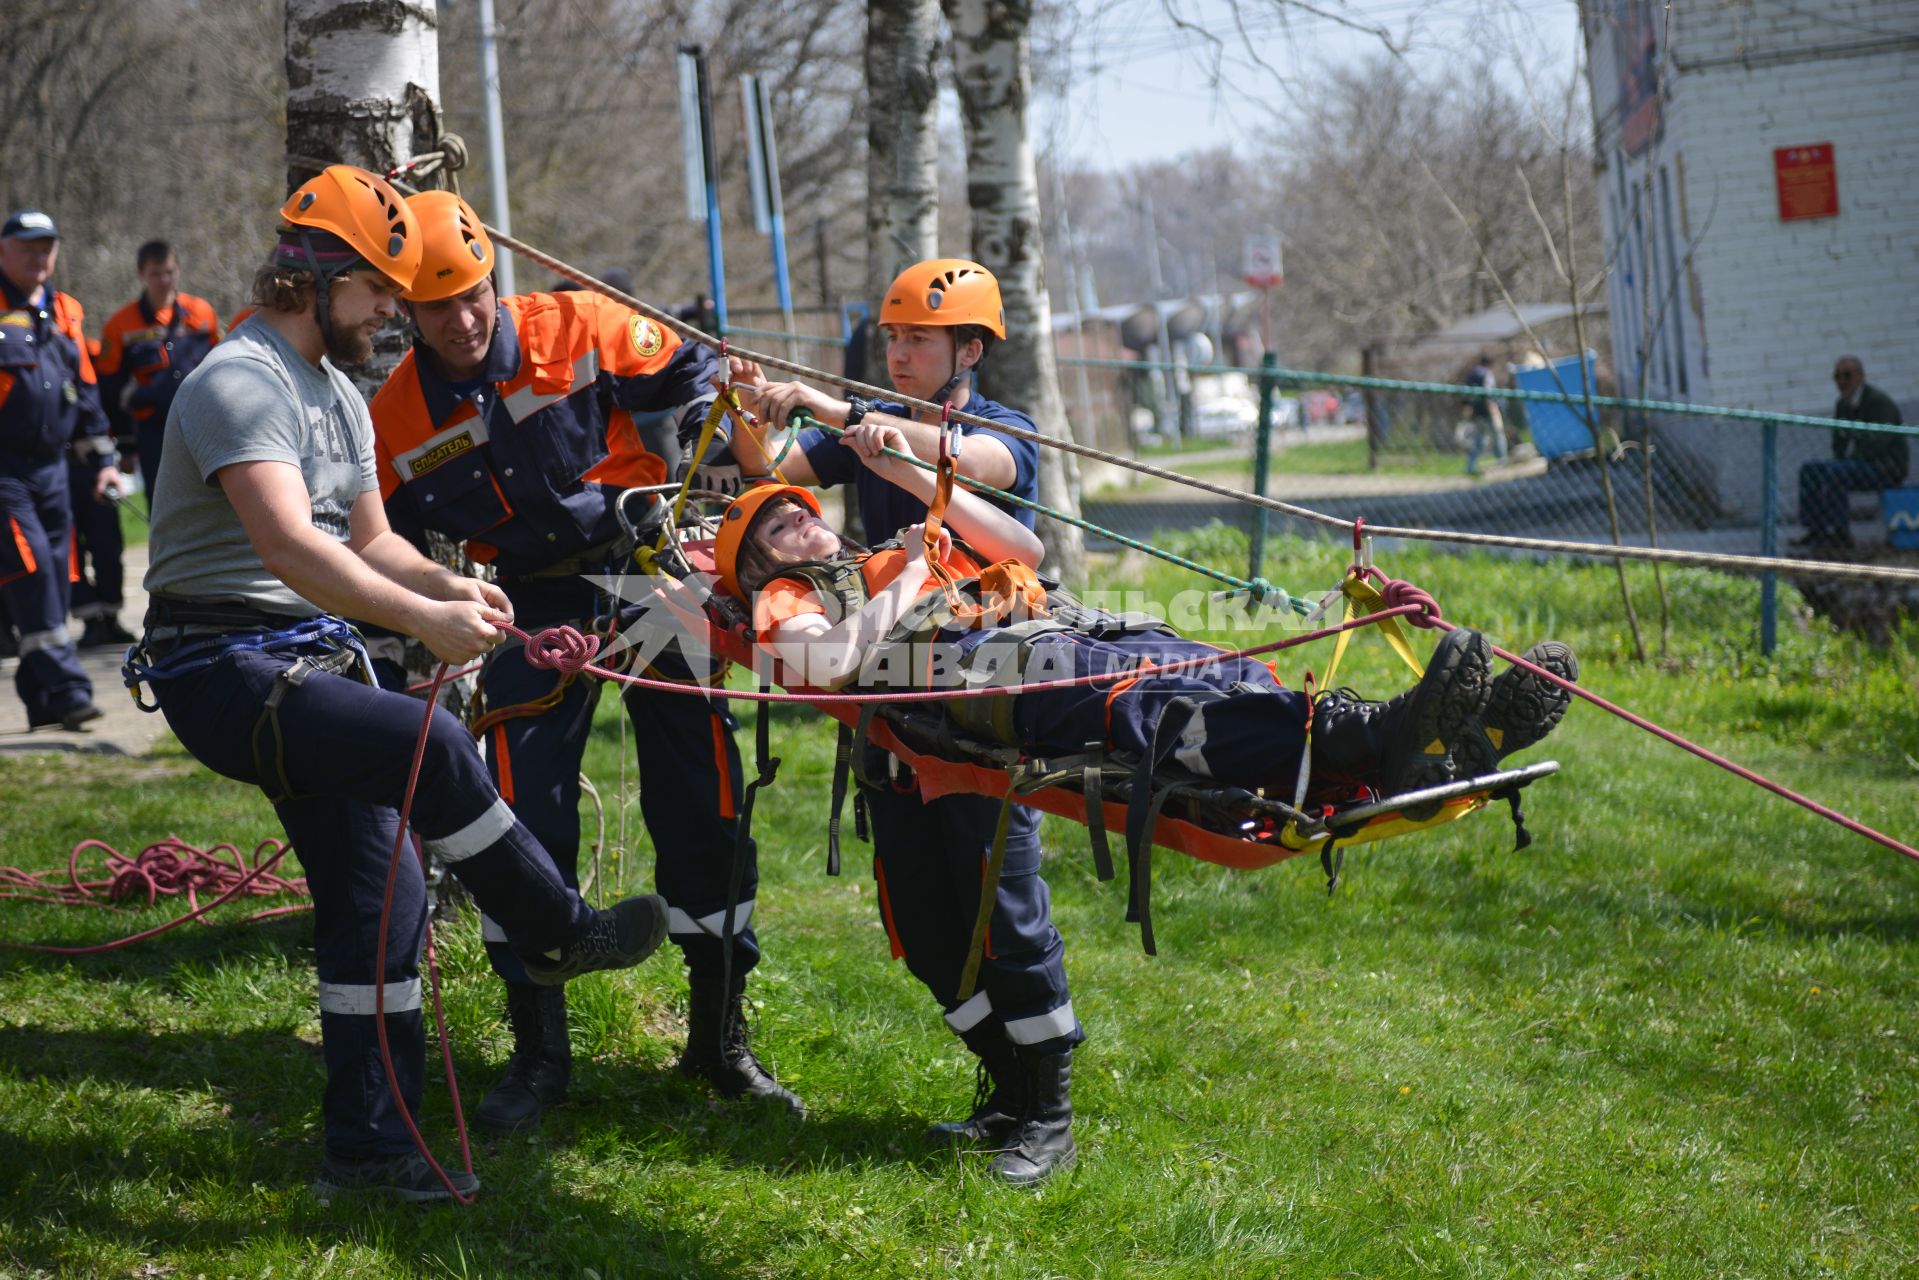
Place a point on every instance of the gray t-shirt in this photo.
(254, 399)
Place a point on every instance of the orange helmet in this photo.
(363, 210)
(945, 291)
(739, 518)
(455, 252)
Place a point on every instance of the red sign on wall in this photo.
(1808, 183)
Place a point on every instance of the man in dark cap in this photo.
(48, 400)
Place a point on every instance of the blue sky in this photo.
(1141, 89)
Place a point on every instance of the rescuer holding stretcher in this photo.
(939, 319)
(267, 529)
(513, 426)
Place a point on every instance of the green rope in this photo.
(1259, 589)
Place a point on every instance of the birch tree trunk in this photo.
(902, 140)
(363, 87)
(992, 68)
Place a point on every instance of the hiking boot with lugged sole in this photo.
(617, 938)
(1436, 714)
(1521, 709)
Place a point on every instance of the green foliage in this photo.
(1673, 1038)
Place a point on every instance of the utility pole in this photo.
(495, 138)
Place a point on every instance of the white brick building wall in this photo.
(1766, 304)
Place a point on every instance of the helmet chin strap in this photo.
(939, 397)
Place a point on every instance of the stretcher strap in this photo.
(1143, 805)
(767, 766)
(1092, 781)
(842, 766)
(988, 896)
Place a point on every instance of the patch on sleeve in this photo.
(647, 338)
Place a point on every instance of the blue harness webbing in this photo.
(324, 632)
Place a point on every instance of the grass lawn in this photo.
(1323, 458)
(1673, 1038)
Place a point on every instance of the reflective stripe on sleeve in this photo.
(526, 402)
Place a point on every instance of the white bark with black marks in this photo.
(992, 65)
(902, 139)
(363, 88)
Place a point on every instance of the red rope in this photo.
(565, 650)
(432, 965)
(166, 868)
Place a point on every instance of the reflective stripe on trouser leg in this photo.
(345, 847)
(930, 855)
(362, 999)
(33, 581)
(345, 740)
(52, 638)
(713, 925)
(535, 762)
(691, 768)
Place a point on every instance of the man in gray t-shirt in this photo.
(255, 398)
(267, 530)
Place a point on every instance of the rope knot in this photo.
(1395, 592)
(561, 649)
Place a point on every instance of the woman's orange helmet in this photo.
(363, 210)
(739, 519)
(945, 291)
(455, 251)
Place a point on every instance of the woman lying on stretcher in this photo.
(833, 614)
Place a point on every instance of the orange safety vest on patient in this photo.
(579, 399)
(783, 599)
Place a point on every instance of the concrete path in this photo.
(125, 730)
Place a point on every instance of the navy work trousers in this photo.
(337, 773)
(34, 578)
(930, 860)
(1246, 731)
(689, 776)
(98, 593)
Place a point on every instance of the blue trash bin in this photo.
(1558, 429)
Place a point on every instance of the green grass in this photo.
(1673, 1038)
(1325, 458)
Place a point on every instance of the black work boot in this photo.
(999, 1097)
(618, 937)
(406, 1177)
(1522, 709)
(1041, 1144)
(716, 1047)
(1406, 742)
(542, 1062)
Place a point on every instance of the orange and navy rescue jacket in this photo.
(579, 398)
(48, 393)
(152, 351)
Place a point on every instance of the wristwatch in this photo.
(856, 407)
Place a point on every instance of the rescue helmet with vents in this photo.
(737, 524)
(945, 291)
(455, 251)
(365, 212)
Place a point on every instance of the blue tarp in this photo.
(1558, 429)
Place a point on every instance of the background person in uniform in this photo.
(267, 528)
(148, 347)
(1860, 459)
(48, 397)
(512, 427)
(939, 321)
